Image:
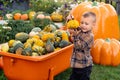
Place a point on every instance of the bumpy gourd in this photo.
(64, 43)
(47, 36)
(49, 46)
(72, 24)
(55, 16)
(65, 36)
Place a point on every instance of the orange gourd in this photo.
(17, 16)
(107, 18)
(24, 16)
(106, 52)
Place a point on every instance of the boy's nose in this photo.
(82, 25)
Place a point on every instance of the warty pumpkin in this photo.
(65, 36)
(57, 17)
(72, 24)
(49, 28)
(106, 52)
(107, 18)
(47, 36)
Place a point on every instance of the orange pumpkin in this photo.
(107, 18)
(106, 52)
(24, 16)
(17, 16)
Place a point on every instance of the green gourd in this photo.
(21, 36)
(18, 45)
(27, 51)
(49, 46)
(64, 43)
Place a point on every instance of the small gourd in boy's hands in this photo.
(72, 24)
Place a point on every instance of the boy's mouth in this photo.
(83, 28)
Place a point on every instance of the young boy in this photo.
(82, 37)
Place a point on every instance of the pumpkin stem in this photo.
(108, 39)
(95, 3)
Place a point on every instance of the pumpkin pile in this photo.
(18, 15)
(40, 42)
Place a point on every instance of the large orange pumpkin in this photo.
(107, 18)
(106, 52)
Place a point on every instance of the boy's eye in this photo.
(86, 23)
(82, 22)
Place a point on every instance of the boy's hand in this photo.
(73, 32)
(69, 17)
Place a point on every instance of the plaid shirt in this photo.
(81, 53)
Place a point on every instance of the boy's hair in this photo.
(87, 14)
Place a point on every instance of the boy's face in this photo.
(87, 23)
